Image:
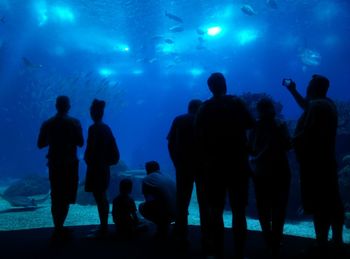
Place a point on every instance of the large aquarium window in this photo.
(147, 59)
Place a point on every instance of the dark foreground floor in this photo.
(37, 243)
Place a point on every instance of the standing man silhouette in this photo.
(221, 127)
(314, 143)
(62, 134)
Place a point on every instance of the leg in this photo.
(154, 212)
(322, 226)
(279, 208)
(184, 188)
(203, 208)
(216, 201)
(59, 211)
(263, 202)
(238, 194)
(337, 221)
(103, 208)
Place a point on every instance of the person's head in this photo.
(217, 84)
(62, 104)
(152, 166)
(266, 108)
(318, 87)
(97, 110)
(194, 105)
(125, 186)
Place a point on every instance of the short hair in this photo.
(62, 104)
(321, 84)
(152, 166)
(97, 109)
(217, 84)
(125, 186)
(194, 105)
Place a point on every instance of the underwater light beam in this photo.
(63, 13)
(214, 31)
(105, 72)
(247, 36)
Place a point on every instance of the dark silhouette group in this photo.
(218, 146)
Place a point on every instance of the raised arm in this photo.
(43, 139)
(301, 101)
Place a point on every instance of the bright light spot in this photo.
(105, 72)
(122, 48)
(247, 36)
(63, 13)
(213, 31)
(196, 71)
(137, 71)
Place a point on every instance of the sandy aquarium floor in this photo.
(26, 218)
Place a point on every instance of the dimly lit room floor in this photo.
(37, 243)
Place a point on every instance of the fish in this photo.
(200, 31)
(24, 201)
(200, 39)
(272, 4)
(29, 64)
(310, 57)
(169, 41)
(140, 174)
(173, 17)
(176, 28)
(152, 60)
(157, 37)
(2, 19)
(248, 10)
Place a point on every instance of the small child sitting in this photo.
(124, 209)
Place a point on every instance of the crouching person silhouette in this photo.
(160, 199)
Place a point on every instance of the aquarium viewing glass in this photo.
(147, 59)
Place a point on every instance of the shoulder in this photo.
(72, 120)
(48, 122)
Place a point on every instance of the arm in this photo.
(171, 141)
(113, 149)
(301, 101)
(79, 135)
(43, 140)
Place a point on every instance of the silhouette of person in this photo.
(62, 134)
(314, 144)
(221, 126)
(184, 154)
(101, 152)
(160, 198)
(270, 141)
(124, 209)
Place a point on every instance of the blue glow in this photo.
(165, 48)
(41, 10)
(196, 72)
(122, 48)
(105, 72)
(247, 36)
(63, 13)
(137, 72)
(213, 31)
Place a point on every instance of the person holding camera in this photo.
(314, 143)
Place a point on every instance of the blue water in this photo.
(147, 59)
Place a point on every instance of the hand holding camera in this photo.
(289, 83)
